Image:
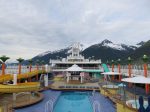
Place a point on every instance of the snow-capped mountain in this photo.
(140, 44)
(46, 56)
(104, 50)
(54, 52)
(43, 54)
(109, 44)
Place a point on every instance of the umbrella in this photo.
(137, 79)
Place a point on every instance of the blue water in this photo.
(73, 102)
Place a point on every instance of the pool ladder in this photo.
(49, 106)
(96, 106)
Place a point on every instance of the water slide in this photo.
(105, 67)
(8, 77)
(21, 87)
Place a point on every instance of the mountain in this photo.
(46, 56)
(140, 44)
(109, 44)
(139, 52)
(105, 50)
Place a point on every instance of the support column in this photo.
(119, 69)
(113, 77)
(37, 67)
(145, 74)
(145, 59)
(46, 68)
(68, 77)
(15, 79)
(30, 69)
(14, 83)
(129, 69)
(14, 96)
(82, 75)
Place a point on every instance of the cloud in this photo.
(29, 27)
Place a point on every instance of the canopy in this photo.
(137, 79)
(74, 68)
(111, 73)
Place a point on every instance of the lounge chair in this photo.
(61, 86)
(96, 87)
(88, 87)
(74, 87)
(67, 86)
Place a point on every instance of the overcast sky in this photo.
(30, 27)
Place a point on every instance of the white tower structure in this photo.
(75, 53)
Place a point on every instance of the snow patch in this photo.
(43, 54)
(52, 52)
(114, 46)
(137, 45)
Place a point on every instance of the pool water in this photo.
(73, 102)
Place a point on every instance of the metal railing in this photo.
(15, 69)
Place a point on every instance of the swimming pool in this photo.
(73, 102)
(79, 100)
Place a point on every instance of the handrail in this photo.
(96, 106)
(49, 106)
(42, 75)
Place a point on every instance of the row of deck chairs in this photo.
(79, 87)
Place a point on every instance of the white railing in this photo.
(95, 68)
(69, 61)
(136, 70)
(15, 69)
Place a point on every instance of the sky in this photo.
(30, 27)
